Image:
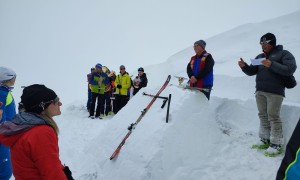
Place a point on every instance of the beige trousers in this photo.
(269, 105)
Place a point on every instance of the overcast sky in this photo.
(132, 32)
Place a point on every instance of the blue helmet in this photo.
(98, 66)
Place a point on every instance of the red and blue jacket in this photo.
(201, 66)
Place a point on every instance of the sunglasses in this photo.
(122, 69)
(54, 101)
(265, 42)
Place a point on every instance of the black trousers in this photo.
(107, 100)
(100, 104)
(121, 101)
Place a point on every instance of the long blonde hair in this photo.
(51, 122)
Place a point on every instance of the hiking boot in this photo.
(273, 150)
(92, 117)
(111, 113)
(262, 144)
(98, 117)
(102, 116)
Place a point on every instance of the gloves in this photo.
(119, 86)
(68, 173)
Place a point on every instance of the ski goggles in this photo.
(264, 41)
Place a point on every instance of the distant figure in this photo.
(32, 136)
(112, 79)
(200, 68)
(122, 83)
(88, 104)
(140, 81)
(290, 165)
(98, 82)
(270, 91)
(8, 111)
(109, 90)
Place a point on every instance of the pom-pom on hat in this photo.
(36, 98)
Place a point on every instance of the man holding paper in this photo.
(270, 90)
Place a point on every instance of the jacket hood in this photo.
(10, 131)
(279, 47)
(26, 118)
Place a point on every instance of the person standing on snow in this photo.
(8, 111)
(108, 94)
(32, 136)
(98, 82)
(200, 68)
(88, 104)
(270, 91)
(122, 83)
(140, 81)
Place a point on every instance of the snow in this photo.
(204, 139)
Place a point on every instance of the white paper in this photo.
(256, 62)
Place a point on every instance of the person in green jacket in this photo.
(98, 81)
(122, 83)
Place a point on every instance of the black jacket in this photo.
(269, 79)
(289, 162)
(143, 83)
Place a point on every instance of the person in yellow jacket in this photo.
(122, 83)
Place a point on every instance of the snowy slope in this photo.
(203, 140)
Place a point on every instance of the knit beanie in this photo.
(141, 69)
(122, 67)
(201, 43)
(98, 66)
(269, 37)
(36, 98)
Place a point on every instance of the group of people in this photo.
(275, 67)
(29, 141)
(111, 91)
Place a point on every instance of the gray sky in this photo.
(133, 32)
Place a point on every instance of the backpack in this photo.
(289, 81)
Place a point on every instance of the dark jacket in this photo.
(143, 83)
(269, 79)
(290, 165)
(204, 75)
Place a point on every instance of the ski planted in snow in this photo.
(132, 126)
(166, 99)
(160, 97)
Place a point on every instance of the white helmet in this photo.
(6, 74)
